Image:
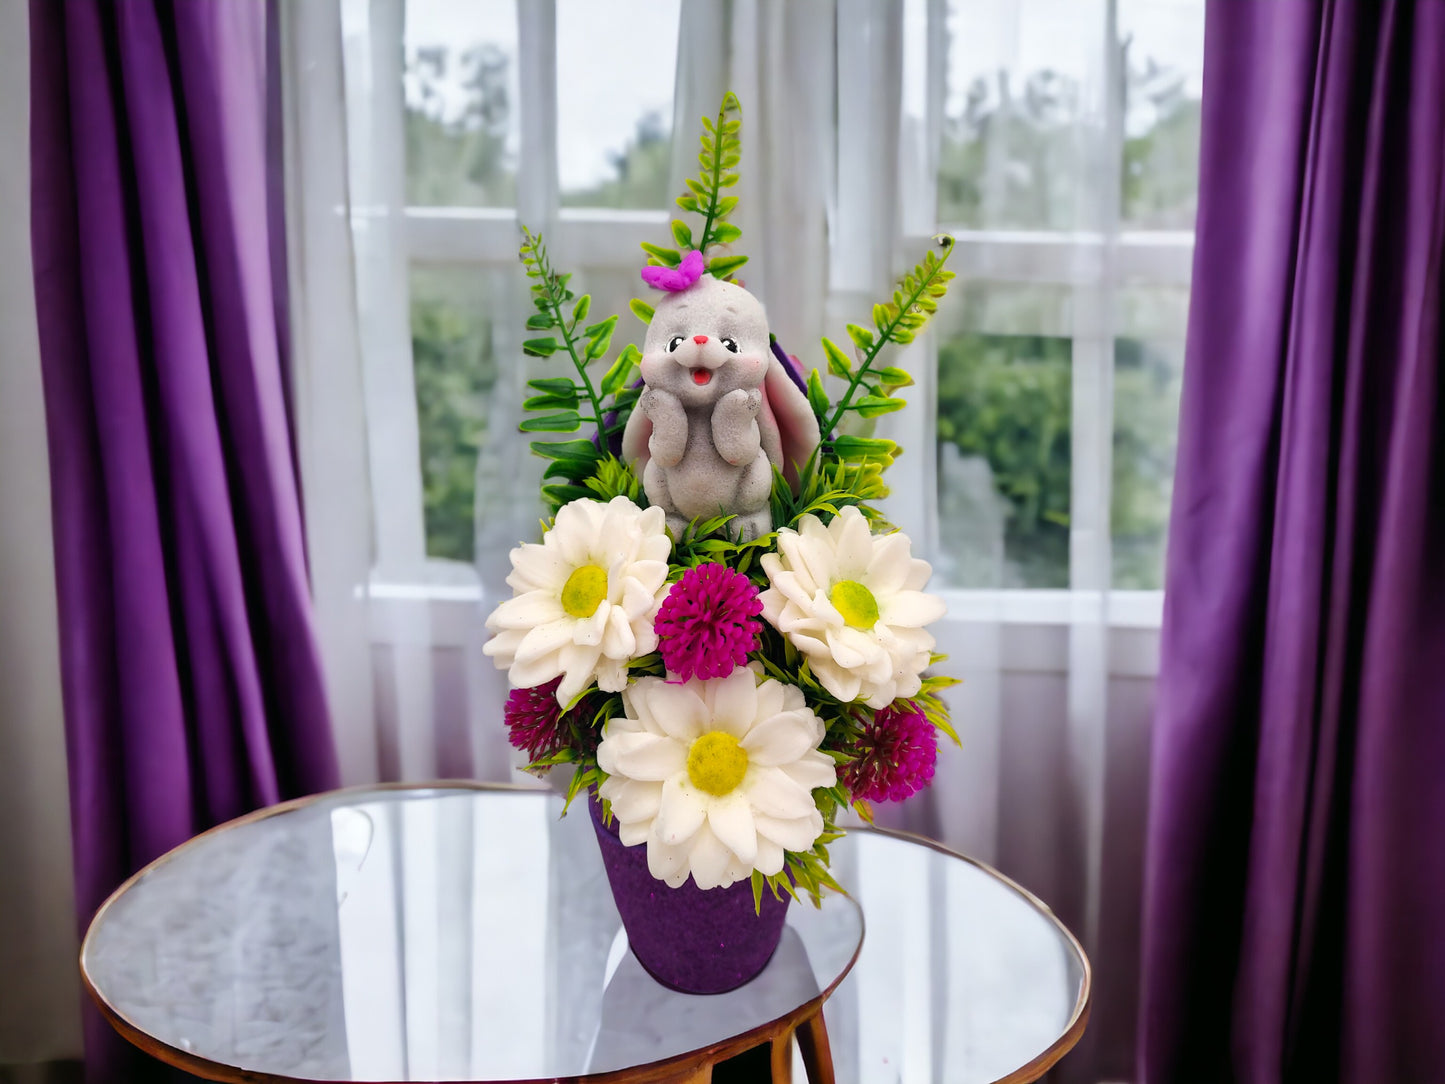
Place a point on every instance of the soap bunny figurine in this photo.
(718, 412)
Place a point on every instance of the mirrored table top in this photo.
(468, 933)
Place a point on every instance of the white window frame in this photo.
(1091, 264)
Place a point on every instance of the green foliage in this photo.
(934, 709)
(896, 320)
(827, 484)
(454, 374)
(722, 267)
(1009, 400)
(844, 471)
(459, 157)
(838, 364)
(1161, 162)
(456, 156)
(614, 478)
(618, 376)
(1146, 410)
(580, 465)
(719, 154)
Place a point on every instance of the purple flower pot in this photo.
(688, 939)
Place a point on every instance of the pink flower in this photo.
(534, 719)
(896, 755)
(708, 623)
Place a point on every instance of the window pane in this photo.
(1012, 153)
(1004, 402)
(461, 103)
(1163, 42)
(456, 372)
(1148, 366)
(615, 68)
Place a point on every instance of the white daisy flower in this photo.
(854, 604)
(715, 776)
(584, 598)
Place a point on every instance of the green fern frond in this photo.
(551, 296)
(896, 320)
(562, 404)
(720, 151)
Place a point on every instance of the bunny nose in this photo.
(699, 339)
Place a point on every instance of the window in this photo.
(1068, 167)
(1063, 155)
(597, 167)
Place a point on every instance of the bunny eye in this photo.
(673, 343)
(731, 344)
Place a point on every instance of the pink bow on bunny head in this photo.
(675, 279)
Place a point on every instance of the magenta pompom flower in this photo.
(896, 755)
(708, 623)
(534, 719)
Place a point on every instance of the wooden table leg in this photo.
(783, 1058)
(817, 1055)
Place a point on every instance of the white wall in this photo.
(40, 1001)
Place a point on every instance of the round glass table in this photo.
(459, 932)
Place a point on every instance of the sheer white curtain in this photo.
(326, 360)
(868, 126)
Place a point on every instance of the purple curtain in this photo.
(1295, 890)
(192, 682)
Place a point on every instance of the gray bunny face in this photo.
(706, 341)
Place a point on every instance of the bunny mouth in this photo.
(701, 377)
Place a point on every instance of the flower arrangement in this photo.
(718, 629)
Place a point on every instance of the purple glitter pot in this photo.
(688, 939)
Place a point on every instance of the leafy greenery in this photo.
(897, 320)
(718, 158)
(1008, 400)
(459, 158)
(1161, 158)
(455, 373)
(1146, 409)
(846, 470)
(1008, 159)
(564, 403)
(720, 153)
(1002, 398)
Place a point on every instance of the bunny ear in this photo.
(786, 422)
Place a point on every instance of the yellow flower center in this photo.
(716, 763)
(584, 591)
(855, 602)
